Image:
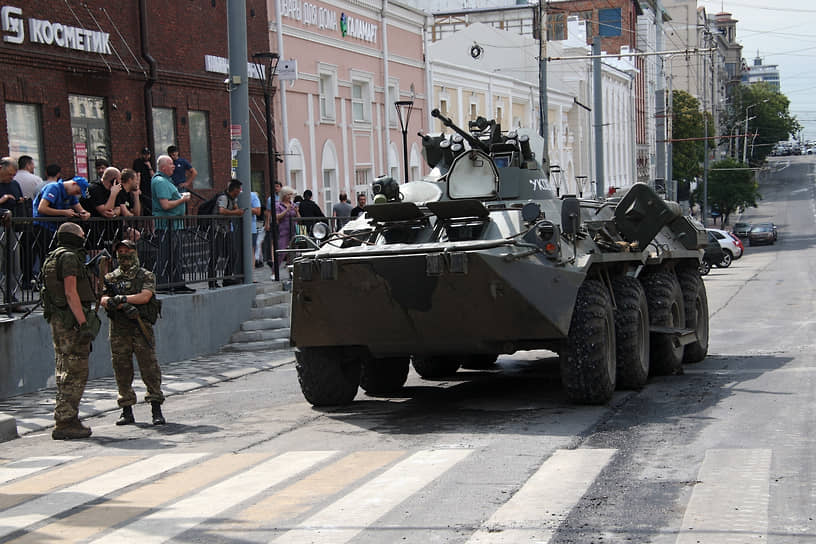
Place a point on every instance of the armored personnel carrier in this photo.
(483, 260)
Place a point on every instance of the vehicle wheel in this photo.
(704, 268)
(666, 309)
(435, 367)
(383, 376)
(587, 359)
(695, 302)
(631, 333)
(726, 260)
(328, 376)
(479, 361)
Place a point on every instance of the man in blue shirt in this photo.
(168, 202)
(61, 198)
(183, 171)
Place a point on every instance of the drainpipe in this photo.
(387, 102)
(152, 75)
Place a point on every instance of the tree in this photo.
(687, 122)
(769, 119)
(731, 186)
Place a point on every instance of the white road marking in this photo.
(534, 513)
(730, 502)
(348, 516)
(45, 506)
(24, 467)
(174, 519)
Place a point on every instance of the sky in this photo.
(783, 33)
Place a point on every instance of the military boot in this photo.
(127, 416)
(71, 431)
(158, 418)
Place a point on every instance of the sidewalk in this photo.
(23, 414)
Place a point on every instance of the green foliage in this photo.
(731, 186)
(687, 122)
(772, 121)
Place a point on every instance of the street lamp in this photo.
(745, 135)
(270, 60)
(404, 109)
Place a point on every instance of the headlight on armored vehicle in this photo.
(320, 231)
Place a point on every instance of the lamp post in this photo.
(404, 109)
(270, 60)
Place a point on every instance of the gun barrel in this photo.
(474, 143)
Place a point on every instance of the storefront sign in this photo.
(81, 159)
(48, 33)
(220, 65)
(327, 19)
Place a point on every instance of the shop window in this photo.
(200, 148)
(89, 130)
(609, 22)
(164, 129)
(24, 129)
(328, 92)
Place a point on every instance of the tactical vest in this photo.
(52, 292)
(149, 311)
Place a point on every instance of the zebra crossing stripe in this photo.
(131, 504)
(40, 484)
(174, 519)
(24, 467)
(729, 504)
(45, 506)
(345, 518)
(535, 511)
(304, 494)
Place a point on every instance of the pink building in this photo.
(336, 121)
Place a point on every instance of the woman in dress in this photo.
(286, 212)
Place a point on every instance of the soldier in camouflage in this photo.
(67, 295)
(132, 306)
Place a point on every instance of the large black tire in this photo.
(666, 309)
(726, 260)
(587, 359)
(383, 376)
(695, 301)
(435, 367)
(479, 361)
(631, 333)
(328, 376)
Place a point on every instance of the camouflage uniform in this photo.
(127, 340)
(71, 349)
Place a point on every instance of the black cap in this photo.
(128, 243)
(145, 151)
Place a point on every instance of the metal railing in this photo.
(179, 250)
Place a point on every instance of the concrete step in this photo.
(260, 335)
(266, 345)
(266, 324)
(269, 312)
(269, 287)
(270, 299)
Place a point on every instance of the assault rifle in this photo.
(111, 288)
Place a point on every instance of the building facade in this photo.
(94, 79)
(758, 72)
(348, 63)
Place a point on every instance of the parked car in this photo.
(772, 226)
(761, 234)
(730, 248)
(741, 229)
(712, 255)
(738, 242)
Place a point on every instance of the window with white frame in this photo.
(200, 148)
(361, 97)
(443, 106)
(499, 114)
(393, 96)
(473, 111)
(329, 177)
(328, 92)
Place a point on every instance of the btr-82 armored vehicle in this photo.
(484, 260)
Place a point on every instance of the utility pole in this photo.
(597, 108)
(239, 115)
(543, 101)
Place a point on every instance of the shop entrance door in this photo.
(89, 129)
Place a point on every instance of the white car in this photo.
(729, 246)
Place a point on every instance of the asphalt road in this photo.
(723, 453)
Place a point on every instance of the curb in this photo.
(8, 428)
